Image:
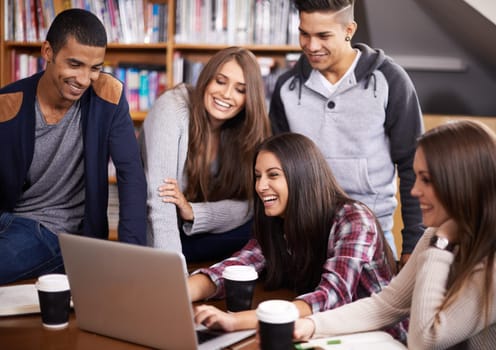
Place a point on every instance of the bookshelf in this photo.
(195, 43)
(190, 37)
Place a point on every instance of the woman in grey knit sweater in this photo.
(448, 286)
(197, 145)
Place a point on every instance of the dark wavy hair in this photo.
(461, 160)
(314, 196)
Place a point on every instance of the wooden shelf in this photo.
(121, 46)
(16, 44)
(150, 53)
(160, 54)
(254, 48)
(110, 46)
(138, 116)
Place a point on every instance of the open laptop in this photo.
(138, 294)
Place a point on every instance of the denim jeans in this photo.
(215, 246)
(390, 239)
(27, 249)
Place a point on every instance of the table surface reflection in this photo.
(25, 332)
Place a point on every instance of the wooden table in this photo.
(26, 332)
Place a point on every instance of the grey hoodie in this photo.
(367, 129)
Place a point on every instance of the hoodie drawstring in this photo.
(370, 77)
(292, 86)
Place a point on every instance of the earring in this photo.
(347, 38)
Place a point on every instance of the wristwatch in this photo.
(442, 243)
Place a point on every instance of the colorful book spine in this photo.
(143, 91)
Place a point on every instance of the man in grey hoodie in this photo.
(360, 108)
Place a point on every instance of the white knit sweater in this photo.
(418, 290)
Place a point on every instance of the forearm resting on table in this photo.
(303, 308)
(248, 319)
(200, 287)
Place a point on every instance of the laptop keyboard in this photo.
(204, 335)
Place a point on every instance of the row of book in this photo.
(237, 22)
(126, 21)
(113, 193)
(24, 65)
(113, 203)
(143, 82)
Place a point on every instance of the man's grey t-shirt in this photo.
(54, 193)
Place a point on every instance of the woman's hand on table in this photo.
(213, 318)
(304, 329)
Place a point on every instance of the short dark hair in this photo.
(322, 5)
(83, 25)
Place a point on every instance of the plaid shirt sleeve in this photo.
(250, 254)
(355, 265)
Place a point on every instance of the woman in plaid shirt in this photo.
(309, 236)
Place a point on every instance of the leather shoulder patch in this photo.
(108, 88)
(10, 105)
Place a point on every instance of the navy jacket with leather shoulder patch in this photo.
(108, 131)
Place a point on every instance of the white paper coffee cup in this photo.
(54, 296)
(277, 311)
(240, 273)
(239, 283)
(54, 282)
(276, 324)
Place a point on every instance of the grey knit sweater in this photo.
(164, 147)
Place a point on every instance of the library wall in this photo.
(453, 70)
(155, 44)
(431, 121)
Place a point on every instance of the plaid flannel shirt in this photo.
(355, 267)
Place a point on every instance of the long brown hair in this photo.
(461, 159)
(295, 248)
(238, 138)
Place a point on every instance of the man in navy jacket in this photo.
(58, 129)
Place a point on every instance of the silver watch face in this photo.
(442, 242)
